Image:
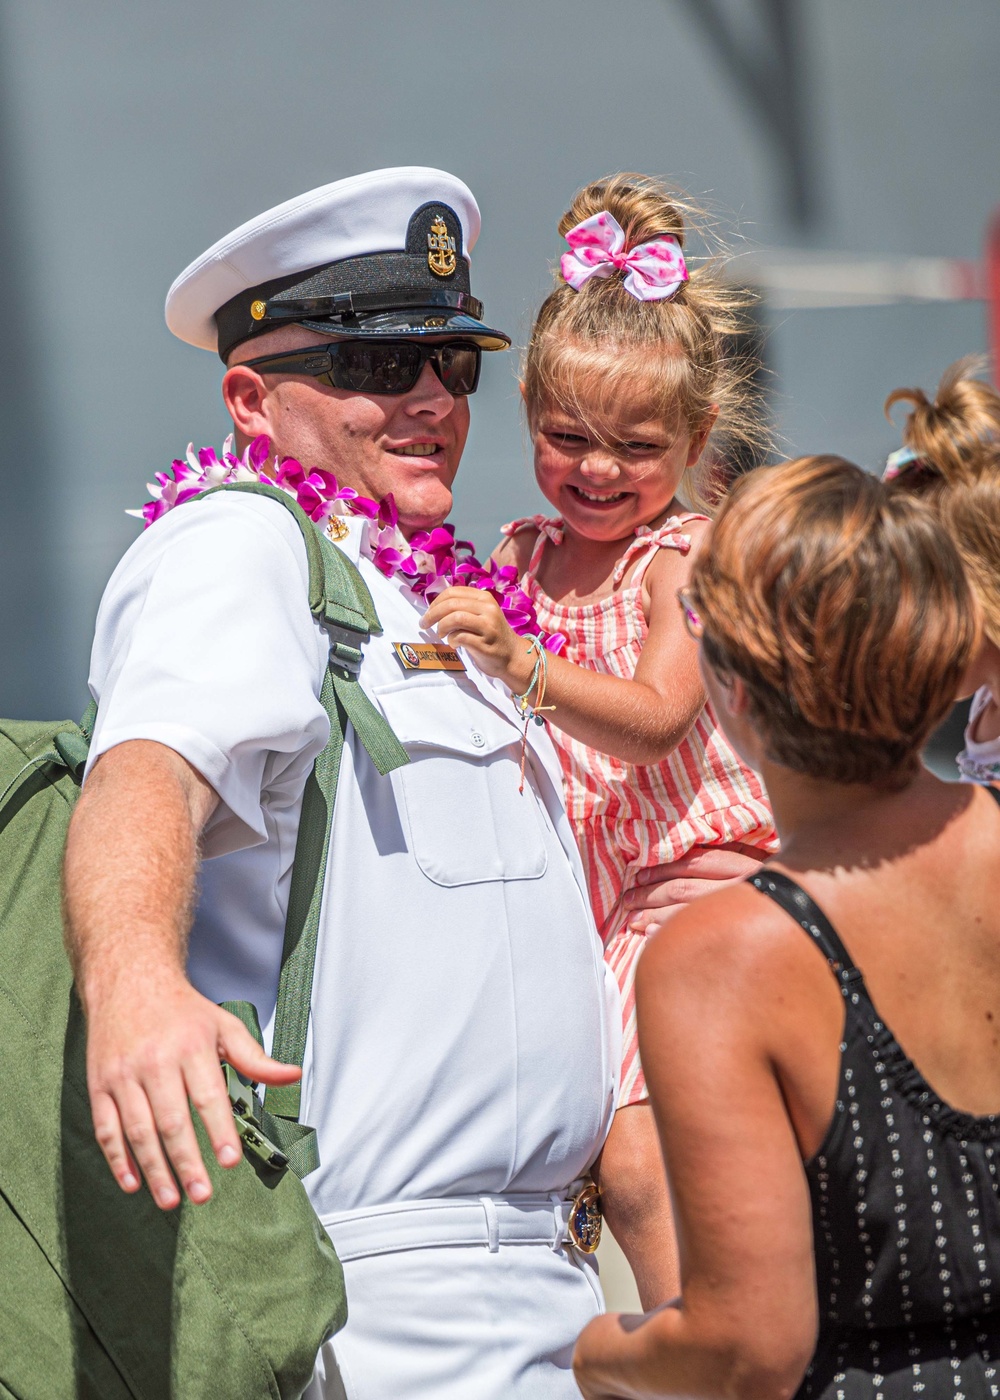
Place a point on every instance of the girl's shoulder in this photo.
(670, 550)
(520, 537)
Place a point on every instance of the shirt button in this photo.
(478, 739)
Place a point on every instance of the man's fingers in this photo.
(659, 896)
(658, 903)
(649, 920)
(140, 1130)
(111, 1140)
(172, 1116)
(206, 1088)
(238, 1047)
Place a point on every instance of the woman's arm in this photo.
(711, 1006)
(640, 720)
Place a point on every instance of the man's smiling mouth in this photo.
(418, 449)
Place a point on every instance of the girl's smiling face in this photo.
(606, 481)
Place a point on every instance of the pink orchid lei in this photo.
(428, 562)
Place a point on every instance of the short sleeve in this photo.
(205, 643)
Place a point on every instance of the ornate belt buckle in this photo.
(585, 1220)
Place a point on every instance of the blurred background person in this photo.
(950, 458)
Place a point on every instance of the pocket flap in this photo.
(445, 713)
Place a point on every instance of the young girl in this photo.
(625, 380)
(951, 458)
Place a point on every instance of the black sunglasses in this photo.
(381, 366)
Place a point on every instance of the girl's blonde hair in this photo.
(957, 471)
(590, 350)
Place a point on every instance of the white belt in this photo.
(489, 1221)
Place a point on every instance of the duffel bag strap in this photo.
(338, 597)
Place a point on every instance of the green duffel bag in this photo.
(102, 1295)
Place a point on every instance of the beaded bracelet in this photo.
(526, 710)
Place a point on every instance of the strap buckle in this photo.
(246, 1113)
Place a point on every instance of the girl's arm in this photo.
(713, 1009)
(641, 720)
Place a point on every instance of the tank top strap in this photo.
(548, 528)
(793, 899)
(647, 543)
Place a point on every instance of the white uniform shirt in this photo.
(464, 1034)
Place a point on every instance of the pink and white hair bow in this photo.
(656, 270)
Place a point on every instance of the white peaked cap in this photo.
(356, 217)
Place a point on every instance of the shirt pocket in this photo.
(466, 823)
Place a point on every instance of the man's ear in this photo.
(248, 402)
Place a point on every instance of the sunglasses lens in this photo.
(368, 367)
(394, 366)
(459, 367)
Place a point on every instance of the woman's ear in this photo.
(730, 690)
(248, 402)
(736, 693)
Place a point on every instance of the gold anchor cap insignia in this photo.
(441, 254)
(258, 310)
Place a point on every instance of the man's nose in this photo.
(429, 395)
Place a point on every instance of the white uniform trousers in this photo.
(470, 1298)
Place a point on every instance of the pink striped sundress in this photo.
(626, 816)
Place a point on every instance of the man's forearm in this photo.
(153, 1042)
(131, 867)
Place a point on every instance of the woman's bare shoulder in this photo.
(730, 943)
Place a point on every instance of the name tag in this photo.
(427, 656)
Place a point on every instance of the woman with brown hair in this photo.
(821, 1042)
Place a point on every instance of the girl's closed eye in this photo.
(639, 449)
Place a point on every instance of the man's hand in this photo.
(661, 890)
(149, 1052)
(470, 618)
(153, 1042)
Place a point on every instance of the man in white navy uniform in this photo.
(463, 1048)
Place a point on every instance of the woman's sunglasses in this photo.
(692, 617)
(381, 366)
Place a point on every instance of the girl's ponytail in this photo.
(956, 435)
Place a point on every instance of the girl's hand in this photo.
(470, 618)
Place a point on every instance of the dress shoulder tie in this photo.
(669, 535)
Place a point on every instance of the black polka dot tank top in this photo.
(905, 1197)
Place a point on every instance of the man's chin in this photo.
(423, 510)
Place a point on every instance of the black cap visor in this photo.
(413, 323)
